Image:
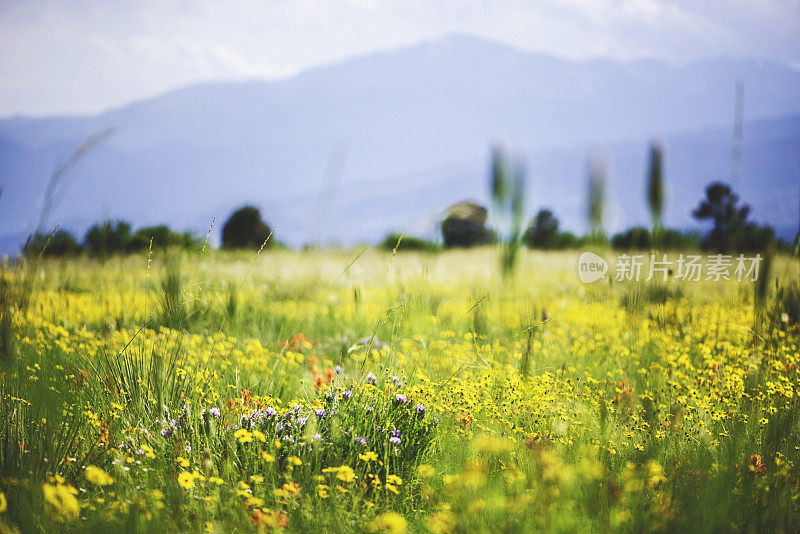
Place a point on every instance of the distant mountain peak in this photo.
(415, 124)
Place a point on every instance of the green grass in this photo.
(426, 385)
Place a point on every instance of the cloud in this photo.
(89, 55)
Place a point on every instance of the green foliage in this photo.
(107, 238)
(638, 296)
(59, 243)
(596, 207)
(655, 186)
(543, 231)
(177, 309)
(162, 238)
(245, 229)
(409, 243)
(566, 240)
(631, 408)
(465, 226)
(787, 303)
(640, 238)
(508, 197)
(7, 308)
(637, 238)
(732, 231)
(40, 433)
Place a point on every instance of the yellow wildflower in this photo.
(61, 499)
(186, 480)
(243, 435)
(368, 456)
(389, 522)
(97, 476)
(425, 471)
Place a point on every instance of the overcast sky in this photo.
(78, 56)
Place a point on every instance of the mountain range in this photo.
(350, 151)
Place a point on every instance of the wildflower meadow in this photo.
(367, 390)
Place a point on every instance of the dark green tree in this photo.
(110, 237)
(61, 243)
(393, 241)
(731, 229)
(162, 238)
(245, 229)
(640, 238)
(637, 238)
(655, 192)
(543, 230)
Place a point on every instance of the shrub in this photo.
(543, 233)
(677, 240)
(566, 240)
(245, 229)
(637, 238)
(465, 226)
(162, 237)
(408, 243)
(61, 243)
(640, 238)
(108, 238)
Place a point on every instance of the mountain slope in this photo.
(412, 128)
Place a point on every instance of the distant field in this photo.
(357, 390)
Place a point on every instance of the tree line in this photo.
(732, 230)
(243, 229)
(463, 226)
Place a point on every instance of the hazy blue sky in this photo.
(75, 56)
